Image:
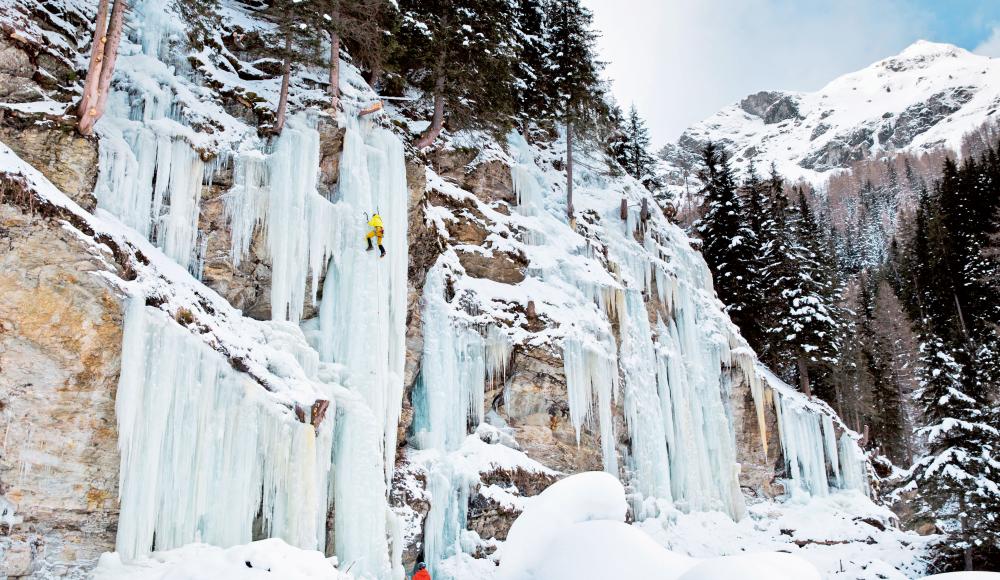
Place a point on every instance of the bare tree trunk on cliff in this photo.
(437, 121)
(570, 212)
(804, 376)
(94, 102)
(96, 58)
(286, 70)
(335, 55)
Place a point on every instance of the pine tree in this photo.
(572, 78)
(761, 241)
(947, 287)
(616, 141)
(807, 325)
(887, 425)
(959, 477)
(533, 102)
(357, 24)
(725, 235)
(633, 153)
(461, 52)
(299, 39)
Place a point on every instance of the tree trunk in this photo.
(437, 121)
(964, 521)
(335, 56)
(804, 376)
(286, 70)
(570, 212)
(95, 108)
(96, 59)
(376, 76)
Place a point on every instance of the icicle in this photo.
(830, 440)
(804, 447)
(453, 370)
(360, 493)
(699, 430)
(498, 351)
(448, 399)
(301, 225)
(527, 179)
(854, 470)
(591, 370)
(246, 203)
(302, 229)
(150, 177)
(748, 369)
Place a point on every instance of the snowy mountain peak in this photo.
(925, 49)
(928, 96)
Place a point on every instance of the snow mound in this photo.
(590, 496)
(576, 529)
(608, 549)
(765, 566)
(258, 560)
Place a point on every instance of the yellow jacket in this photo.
(376, 221)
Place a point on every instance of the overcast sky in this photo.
(679, 61)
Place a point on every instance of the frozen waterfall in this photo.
(675, 388)
(150, 174)
(362, 319)
(815, 461)
(204, 450)
(245, 454)
(277, 193)
(448, 400)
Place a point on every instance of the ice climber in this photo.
(377, 232)
(422, 573)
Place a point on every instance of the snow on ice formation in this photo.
(150, 168)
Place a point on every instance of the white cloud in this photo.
(679, 61)
(990, 46)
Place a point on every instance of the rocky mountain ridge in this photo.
(926, 97)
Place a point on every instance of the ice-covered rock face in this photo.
(612, 347)
(926, 97)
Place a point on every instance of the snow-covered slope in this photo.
(926, 97)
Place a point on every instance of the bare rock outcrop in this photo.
(52, 145)
(60, 345)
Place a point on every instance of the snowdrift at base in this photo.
(576, 529)
(763, 566)
(967, 576)
(258, 560)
